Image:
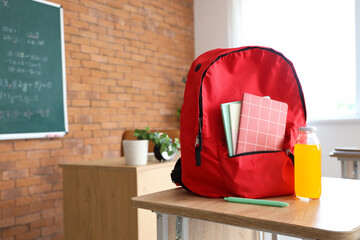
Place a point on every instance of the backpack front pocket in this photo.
(258, 174)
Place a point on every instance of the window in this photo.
(318, 36)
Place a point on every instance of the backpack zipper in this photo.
(256, 152)
(288, 152)
(198, 144)
(198, 140)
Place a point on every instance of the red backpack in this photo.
(224, 75)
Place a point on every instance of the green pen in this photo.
(256, 201)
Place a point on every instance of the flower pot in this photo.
(162, 156)
(135, 152)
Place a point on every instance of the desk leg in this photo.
(349, 168)
(162, 226)
(274, 236)
(182, 228)
(268, 236)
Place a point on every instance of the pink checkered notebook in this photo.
(262, 124)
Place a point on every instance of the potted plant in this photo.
(164, 148)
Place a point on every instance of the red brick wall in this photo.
(125, 61)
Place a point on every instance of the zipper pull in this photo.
(290, 154)
(198, 150)
(197, 141)
(198, 136)
(198, 144)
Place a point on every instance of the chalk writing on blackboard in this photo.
(20, 62)
(33, 57)
(15, 36)
(10, 30)
(27, 114)
(24, 85)
(4, 4)
(12, 98)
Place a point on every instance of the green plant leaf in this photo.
(161, 140)
(142, 134)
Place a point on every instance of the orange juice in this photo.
(307, 170)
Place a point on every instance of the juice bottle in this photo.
(307, 162)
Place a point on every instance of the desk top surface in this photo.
(117, 163)
(345, 152)
(336, 215)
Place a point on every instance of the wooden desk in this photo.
(336, 215)
(350, 161)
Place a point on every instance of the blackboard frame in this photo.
(51, 134)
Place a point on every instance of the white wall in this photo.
(210, 25)
(211, 19)
(332, 134)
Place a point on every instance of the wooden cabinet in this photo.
(97, 203)
(97, 199)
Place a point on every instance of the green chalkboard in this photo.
(32, 70)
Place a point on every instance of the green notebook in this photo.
(225, 111)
